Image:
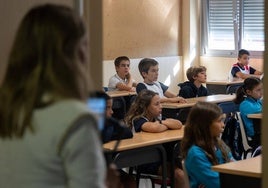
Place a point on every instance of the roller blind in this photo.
(230, 25)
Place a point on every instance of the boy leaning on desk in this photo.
(122, 80)
(242, 69)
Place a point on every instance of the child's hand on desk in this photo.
(177, 99)
(181, 100)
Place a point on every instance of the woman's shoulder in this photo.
(62, 113)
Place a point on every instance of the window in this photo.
(229, 25)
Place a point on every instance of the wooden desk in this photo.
(117, 93)
(145, 148)
(245, 173)
(255, 116)
(220, 86)
(143, 139)
(192, 101)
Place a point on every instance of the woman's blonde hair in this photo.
(43, 66)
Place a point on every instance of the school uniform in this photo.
(251, 106)
(199, 170)
(239, 68)
(157, 87)
(114, 80)
(189, 90)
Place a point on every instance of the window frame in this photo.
(238, 32)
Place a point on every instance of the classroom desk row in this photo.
(117, 93)
(222, 86)
(192, 101)
(255, 116)
(144, 148)
(245, 173)
(214, 86)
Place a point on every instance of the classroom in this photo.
(170, 31)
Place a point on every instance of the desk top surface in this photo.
(250, 167)
(117, 93)
(255, 116)
(143, 139)
(192, 101)
(224, 82)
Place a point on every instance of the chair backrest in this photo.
(229, 107)
(231, 89)
(186, 177)
(245, 139)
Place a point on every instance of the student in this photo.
(113, 129)
(201, 145)
(149, 71)
(242, 69)
(194, 88)
(122, 80)
(249, 97)
(48, 137)
(145, 115)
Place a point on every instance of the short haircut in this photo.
(193, 71)
(118, 60)
(242, 52)
(145, 65)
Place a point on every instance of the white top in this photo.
(246, 70)
(114, 80)
(156, 87)
(62, 152)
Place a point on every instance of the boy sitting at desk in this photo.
(194, 88)
(122, 80)
(241, 69)
(149, 71)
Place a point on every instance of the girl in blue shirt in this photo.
(201, 145)
(249, 97)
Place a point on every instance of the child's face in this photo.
(217, 126)
(123, 69)
(257, 92)
(201, 77)
(109, 110)
(244, 59)
(155, 107)
(152, 74)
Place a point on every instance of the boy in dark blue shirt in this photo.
(194, 88)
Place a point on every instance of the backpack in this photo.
(232, 136)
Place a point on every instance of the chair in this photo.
(245, 139)
(229, 107)
(148, 155)
(186, 177)
(119, 107)
(231, 89)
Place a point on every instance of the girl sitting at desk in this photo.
(201, 145)
(249, 97)
(145, 115)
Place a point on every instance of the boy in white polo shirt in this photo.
(122, 80)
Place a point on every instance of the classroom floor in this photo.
(146, 183)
